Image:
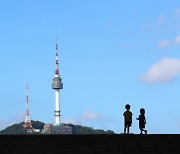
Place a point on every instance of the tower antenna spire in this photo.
(56, 44)
(27, 123)
(57, 61)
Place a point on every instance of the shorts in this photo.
(141, 125)
(127, 123)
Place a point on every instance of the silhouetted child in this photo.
(127, 118)
(142, 121)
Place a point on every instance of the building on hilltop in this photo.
(57, 129)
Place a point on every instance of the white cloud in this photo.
(92, 119)
(177, 40)
(17, 118)
(86, 116)
(160, 19)
(4, 124)
(91, 116)
(164, 43)
(177, 12)
(163, 71)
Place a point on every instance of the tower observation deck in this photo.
(57, 85)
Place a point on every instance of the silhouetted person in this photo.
(127, 118)
(142, 121)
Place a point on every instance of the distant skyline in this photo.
(111, 52)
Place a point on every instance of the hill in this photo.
(76, 129)
(18, 128)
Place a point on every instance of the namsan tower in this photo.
(57, 127)
(57, 85)
(27, 123)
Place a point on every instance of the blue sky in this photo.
(111, 52)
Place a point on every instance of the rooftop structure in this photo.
(57, 129)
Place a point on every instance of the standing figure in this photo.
(142, 121)
(127, 118)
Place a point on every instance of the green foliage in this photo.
(37, 124)
(14, 129)
(18, 128)
(77, 129)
